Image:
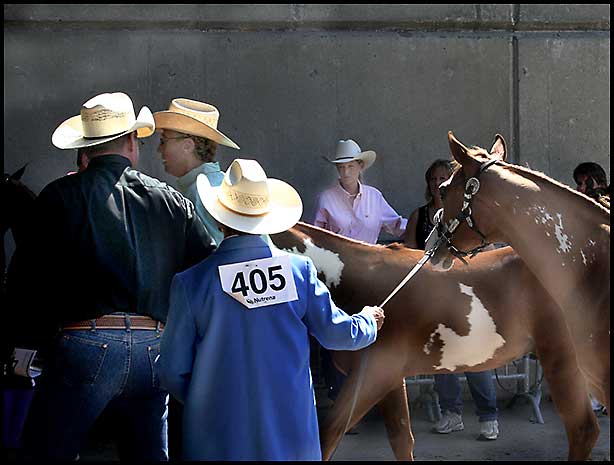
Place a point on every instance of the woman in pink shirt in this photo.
(351, 208)
(354, 210)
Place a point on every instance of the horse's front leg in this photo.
(395, 410)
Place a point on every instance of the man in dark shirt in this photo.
(105, 245)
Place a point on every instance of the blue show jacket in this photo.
(243, 374)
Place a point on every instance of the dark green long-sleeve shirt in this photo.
(108, 239)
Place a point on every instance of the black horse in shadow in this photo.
(17, 204)
(16, 215)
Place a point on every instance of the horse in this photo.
(562, 235)
(462, 320)
(17, 203)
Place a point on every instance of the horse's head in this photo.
(465, 228)
(17, 199)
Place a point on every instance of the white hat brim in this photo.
(285, 211)
(367, 157)
(69, 134)
(188, 125)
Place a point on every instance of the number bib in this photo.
(259, 283)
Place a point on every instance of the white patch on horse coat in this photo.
(325, 261)
(476, 347)
(564, 243)
(544, 218)
(583, 257)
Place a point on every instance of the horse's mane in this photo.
(475, 150)
(545, 177)
(302, 224)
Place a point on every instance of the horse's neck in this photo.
(343, 261)
(559, 234)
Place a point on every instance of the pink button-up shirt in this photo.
(360, 218)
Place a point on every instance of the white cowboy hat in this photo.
(194, 118)
(348, 150)
(102, 119)
(250, 202)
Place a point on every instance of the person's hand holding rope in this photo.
(378, 314)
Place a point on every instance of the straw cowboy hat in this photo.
(250, 202)
(194, 118)
(348, 150)
(102, 119)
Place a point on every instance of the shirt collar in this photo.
(346, 193)
(109, 160)
(190, 177)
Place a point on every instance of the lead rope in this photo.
(363, 358)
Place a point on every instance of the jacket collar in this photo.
(241, 242)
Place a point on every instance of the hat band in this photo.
(104, 137)
(248, 215)
(242, 202)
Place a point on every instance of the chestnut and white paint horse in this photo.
(562, 235)
(470, 319)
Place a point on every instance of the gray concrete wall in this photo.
(291, 80)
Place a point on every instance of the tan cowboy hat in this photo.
(194, 118)
(348, 150)
(250, 202)
(102, 119)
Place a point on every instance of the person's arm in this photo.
(322, 215)
(410, 232)
(332, 327)
(394, 223)
(177, 346)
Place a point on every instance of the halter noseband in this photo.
(472, 186)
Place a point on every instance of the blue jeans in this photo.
(482, 389)
(88, 371)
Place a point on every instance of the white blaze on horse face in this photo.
(325, 261)
(476, 347)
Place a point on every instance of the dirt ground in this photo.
(520, 439)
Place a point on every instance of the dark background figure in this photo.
(17, 391)
(448, 386)
(102, 249)
(591, 180)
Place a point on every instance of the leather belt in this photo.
(116, 322)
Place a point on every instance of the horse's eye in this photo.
(442, 192)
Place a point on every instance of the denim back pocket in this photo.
(153, 351)
(78, 360)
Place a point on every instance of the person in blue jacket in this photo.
(235, 349)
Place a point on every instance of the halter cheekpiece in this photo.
(472, 187)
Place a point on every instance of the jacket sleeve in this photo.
(177, 346)
(332, 327)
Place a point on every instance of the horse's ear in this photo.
(499, 149)
(459, 151)
(17, 174)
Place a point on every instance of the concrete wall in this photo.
(291, 80)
